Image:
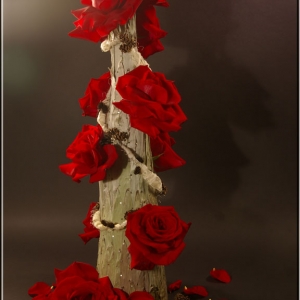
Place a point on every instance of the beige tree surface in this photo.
(123, 189)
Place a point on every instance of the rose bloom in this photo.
(80, 281)
(90, 231)
(88, 157)
(95, 93)
(156, 236)
(164, 157)
(151, 101)
(95, 23)
(148, 29)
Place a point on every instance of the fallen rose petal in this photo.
(174, 286)
(81, 281)
(220, 274)
(137, 295)
(196, 290)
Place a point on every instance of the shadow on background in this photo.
(217, 96)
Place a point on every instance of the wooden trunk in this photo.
(123, 191)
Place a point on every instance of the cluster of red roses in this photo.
(151, 101)
(81, 281)
(100, 17)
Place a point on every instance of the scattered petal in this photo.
(220, 274)
(174, 286)
(140, 296)
(196, 290)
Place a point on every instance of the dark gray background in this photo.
(235, 65)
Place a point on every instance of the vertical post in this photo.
(122, 190)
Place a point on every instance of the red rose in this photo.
(148, 30)
(89, 158)
(95, 23)
(151, 101)
(89, 231)
(164, 157)
(156, 236)
(80, 281)
(94, 94)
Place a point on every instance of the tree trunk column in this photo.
(122, 191)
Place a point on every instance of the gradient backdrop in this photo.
(235, 65)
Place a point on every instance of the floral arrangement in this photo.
(136, 109)
(81, 281)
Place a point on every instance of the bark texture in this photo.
(123, 191)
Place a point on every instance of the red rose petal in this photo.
(95, 23)
(148, 29)
(220, 274)
(121, 294)
(196, 290)
(81, 281)
(140, 296)
(174, 286)
(77, 269)
(95, 93)
(88, 156)
(86, 2)
(41, 297)
(87, 236)
(39, 288)
(89, 231)
(165, 157)
(139, 261)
